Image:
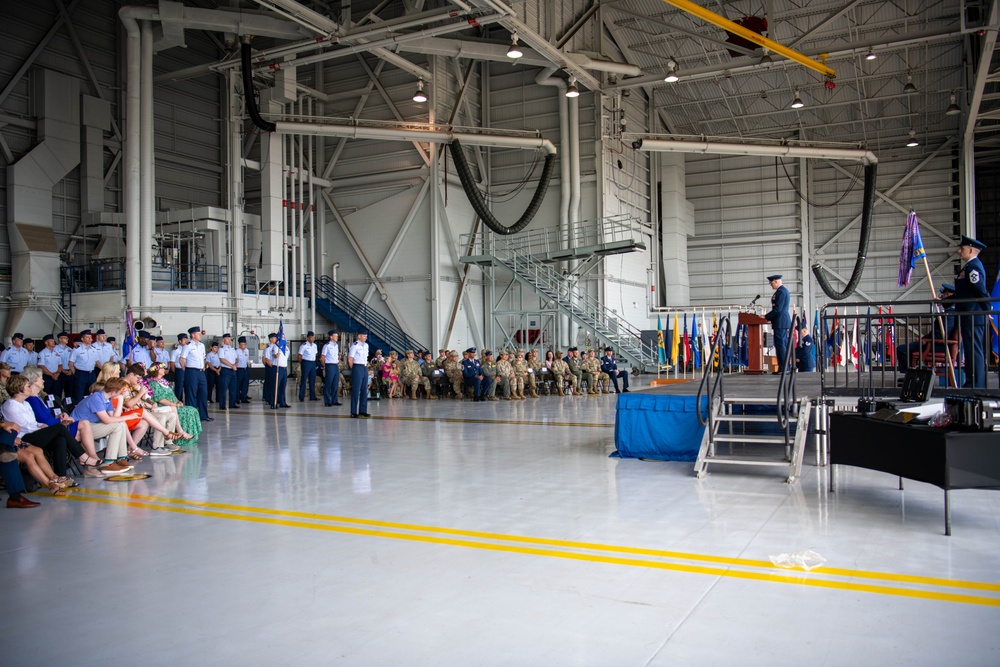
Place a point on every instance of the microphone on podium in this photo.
(755, 300)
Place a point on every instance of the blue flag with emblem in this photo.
(282, 343)
(695, 342)
(129, 343)
(912, 249)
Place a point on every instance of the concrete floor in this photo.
(459, 533)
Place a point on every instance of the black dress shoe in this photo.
(208, 419)
(234, 407)
(365, 415)
(284, 406)
(354, 415)
(336, 404)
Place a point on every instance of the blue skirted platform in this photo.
(658, 426)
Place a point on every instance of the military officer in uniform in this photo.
(453, 371)
(472, 373)
(573, 364)
(65, 376)
(277, 368)
(357, 360)
(16, 356)
(331, 369)
(805, 352)
(506, 377)
(307, 367)
(490, 373)
(412, 376)
(160, 353)
(430, 371)
(104, 350)
(610, 366)
(242, 371)
(779, 318)
(560, 373)
(227, 391)
(520, 365)
(50, 362)
(970, 283)
(81, 364)
(176, 367)
(192, 360)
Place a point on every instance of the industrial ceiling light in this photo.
(870, 55)
(572, 90)
(671, 72)
(514, 51)
(797, 103)
(953, 108)
(419, 96)
(913, 139)
(766, 58)
(909, 87)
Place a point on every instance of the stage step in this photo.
(752, 418)
(751, 461)
(750, 439)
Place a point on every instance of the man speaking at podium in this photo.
(779, 318)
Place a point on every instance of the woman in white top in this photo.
(54, 439)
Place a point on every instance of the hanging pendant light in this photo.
(797, 103)
(671, 72)
(572, 90)
(953, 108)
(419, 96)
(909, 87)
(913, 140)
(514, 52)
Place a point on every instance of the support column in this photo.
(677, 221)
(147, 203)
(237, 254)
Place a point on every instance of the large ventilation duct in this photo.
(34, 252)
(725, 148)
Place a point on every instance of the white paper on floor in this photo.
(806, 560)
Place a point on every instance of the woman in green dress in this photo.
(188, 419)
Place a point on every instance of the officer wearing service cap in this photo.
(970, 283)
(780, 318)
(472, 373)
(64, 350)
(227, 392)
(81, 364)
(242, 370)
(192, 358)
(307, 367)
(16, 356)
(357, 361)
(50, 361)
(331, 369)
(175, 365)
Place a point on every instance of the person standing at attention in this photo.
(357, 360)
(331, 374)
(970, 283)
(307, 367)
(780, 319)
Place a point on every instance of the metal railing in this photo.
(567, 296)
(787, 400)
(887, 344)
(362, 313)
(612, 229)
(108, 276)
(715, 388)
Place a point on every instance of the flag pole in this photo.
(941, 327)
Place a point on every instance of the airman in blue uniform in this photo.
(779, 318)
(472, 373)
(970, 283)
(805, 352)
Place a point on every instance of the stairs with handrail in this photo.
(336, 303)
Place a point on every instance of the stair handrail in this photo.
(786, 386)
(583, 304)
(365, 314)
(715, 387)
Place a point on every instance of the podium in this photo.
(755, 345)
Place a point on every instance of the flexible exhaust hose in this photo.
(867, 212)
(248, 95)
(479, 203)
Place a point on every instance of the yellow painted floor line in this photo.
(438, 535)
(447, 420)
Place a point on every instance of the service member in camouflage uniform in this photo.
(600, 377)
(521, 372)
(409, 371)
(589, 374)
(453, 370)
(427, 369)
(573, 366)
(508, 381)
(535, 364)
(491, 373)
(560, 373)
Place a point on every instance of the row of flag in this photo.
(693, 346)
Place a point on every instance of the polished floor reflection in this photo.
(451, 533)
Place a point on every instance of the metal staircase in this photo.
(729, 432)
(350, 313)
(529, 258)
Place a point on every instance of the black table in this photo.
(946, 458)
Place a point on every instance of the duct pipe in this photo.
(624, 69)
(574, 196)
(131, 174)
(286, 159)
(723, 148)
(312, 222)
(545, 78)
(301, 246)
(333, 271)
(400, 134)
(236, 255)
(147, 205)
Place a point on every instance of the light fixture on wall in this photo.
(953, 108)
(870, 55)
(514, 52)
(671, 72)
(797, 102)
(913, 140)
(572, 90)
(909, 87)
(419, 96)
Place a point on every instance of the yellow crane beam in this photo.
(751, 36)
